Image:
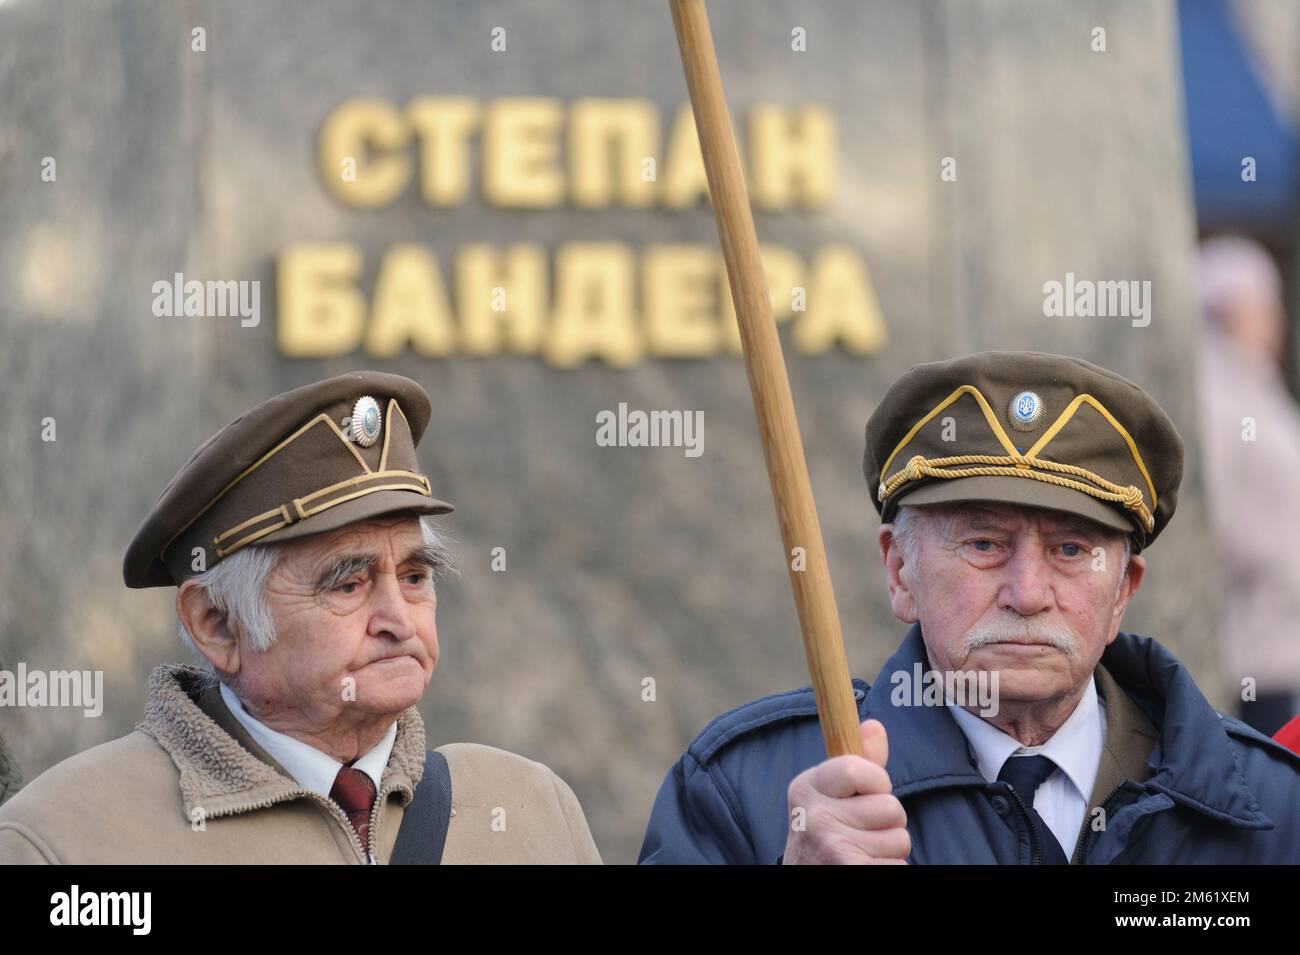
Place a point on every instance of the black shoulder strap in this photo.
(423, 830)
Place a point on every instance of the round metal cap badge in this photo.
(1026, 411)
(365, 421)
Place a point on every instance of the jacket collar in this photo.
(1191, 762)
(1130, 739)
(927, 749)
(222, 769)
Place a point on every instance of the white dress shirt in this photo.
(1075, 748)
(314, 770)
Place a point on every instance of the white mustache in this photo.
(1009, 631)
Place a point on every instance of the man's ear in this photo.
(208, 626)
(901, 599)
(1133, 576)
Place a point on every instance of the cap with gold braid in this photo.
(309, 460)
(1026, 428)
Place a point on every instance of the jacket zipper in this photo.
(333, 809)
(1035, 854)
(372, 831)
(1081, 847)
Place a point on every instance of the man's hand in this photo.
(843, 810)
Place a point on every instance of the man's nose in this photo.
(389, 610)
(1027, 584)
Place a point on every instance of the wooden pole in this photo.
(787, 470)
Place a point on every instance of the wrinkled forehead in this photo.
(1010, 518)
(400, 533)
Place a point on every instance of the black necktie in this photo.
(1026, 774)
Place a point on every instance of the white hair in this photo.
(236, 587)
(905, 521)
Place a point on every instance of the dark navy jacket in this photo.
(1217, 791)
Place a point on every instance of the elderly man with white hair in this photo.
(1016, 723)
(305, 570)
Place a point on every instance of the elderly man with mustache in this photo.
(304, 573)
(1016, 490)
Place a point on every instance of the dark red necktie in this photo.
(354, 791)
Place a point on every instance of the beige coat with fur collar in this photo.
(191, 786)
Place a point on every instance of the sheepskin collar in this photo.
(222, 770)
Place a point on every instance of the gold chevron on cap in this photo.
(1027, 465)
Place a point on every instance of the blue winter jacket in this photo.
(1216, 790)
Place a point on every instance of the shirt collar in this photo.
(1075, 747)
(314, 770)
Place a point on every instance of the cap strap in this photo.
(320, 500)
(1020, 466)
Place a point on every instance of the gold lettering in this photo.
(842, 306)
(479, 272)
(793, 156)
(410, 306)
(784, 271)
(594, 314)
(320, 312)
(444, 125)
(520, 149)
(374, 136)
(681, 302)
(611, 135)
(684, 180)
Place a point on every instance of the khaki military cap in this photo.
(1026, 428)
(309, 460)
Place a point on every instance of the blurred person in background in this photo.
(1250, 430)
